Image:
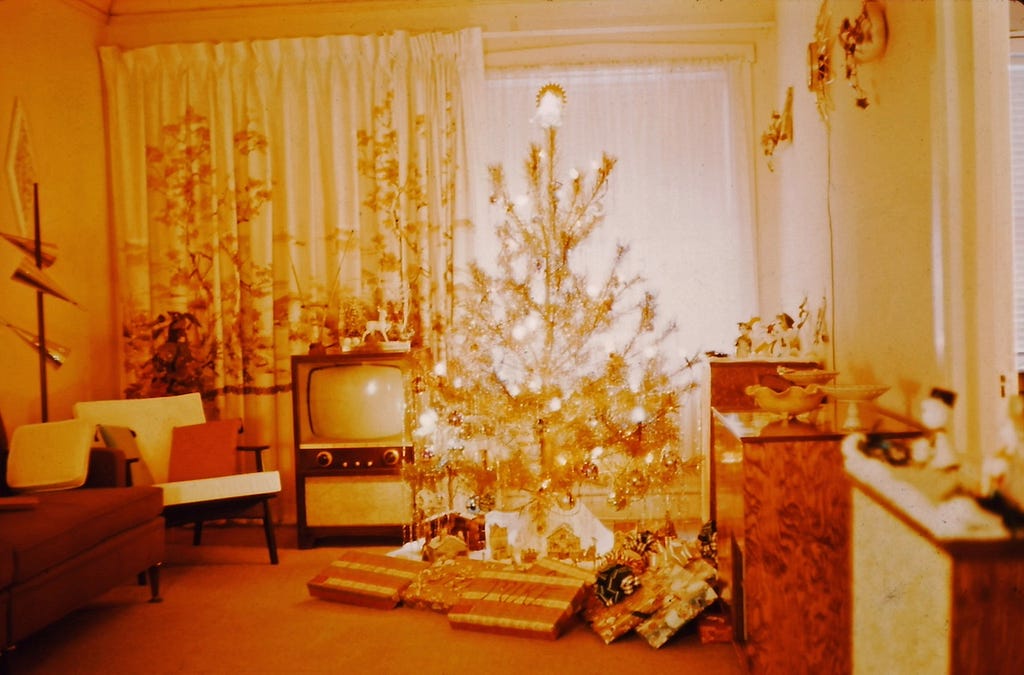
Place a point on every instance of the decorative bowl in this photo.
(855, 392)
(789, 402)
(807, 376)
(854, 396)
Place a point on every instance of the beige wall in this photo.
(48, 61)
(916, 191)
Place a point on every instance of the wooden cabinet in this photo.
(929, 602)
(730, 377)
(784, 520)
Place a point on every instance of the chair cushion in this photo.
(67, 523)
(49, 455)
(222, 487)
(204, 450)
(152, 420)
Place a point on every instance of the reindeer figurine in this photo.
(380, 326)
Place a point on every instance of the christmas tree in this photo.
(552, 379)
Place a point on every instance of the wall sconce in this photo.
(864, 39)
(780, 129)
(819, 62)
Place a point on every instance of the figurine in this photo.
(936, 449)
(380, 326)
(1000, 470)
(745, 342)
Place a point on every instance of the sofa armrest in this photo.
(108, 467)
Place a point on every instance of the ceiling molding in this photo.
(99, 9)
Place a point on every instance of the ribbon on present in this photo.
(615, 583)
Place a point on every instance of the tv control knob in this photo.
(390, 457)
(324, 458)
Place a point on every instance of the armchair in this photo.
(197, 463)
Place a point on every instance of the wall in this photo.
(910, 194)
(48, 57)
(915, 192)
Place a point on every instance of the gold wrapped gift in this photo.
(518, 603)
(366, 579)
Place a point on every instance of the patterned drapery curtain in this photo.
(273, 195)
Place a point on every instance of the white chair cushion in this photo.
(49, 455)
(221, 487)
(152, 420)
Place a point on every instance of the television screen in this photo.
(356, 403)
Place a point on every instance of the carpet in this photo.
(226, 610)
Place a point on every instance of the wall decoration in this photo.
(819, 61)
(864, 39)
(780, 129)
(21, 170)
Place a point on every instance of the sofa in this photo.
(60, 549)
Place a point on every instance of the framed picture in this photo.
(21, 169)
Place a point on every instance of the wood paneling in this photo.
(784, 523)
(987, 633)
(797, 563)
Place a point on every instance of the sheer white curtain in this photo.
(680, 194)
(259, 184)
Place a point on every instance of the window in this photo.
(1017, 158)
(680, 194)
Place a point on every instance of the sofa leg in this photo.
(5, 666)
(154, 583)
(197, 532)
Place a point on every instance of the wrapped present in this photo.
(685, 593)
(551, 567)
(367, 579)
(518, 603)
(659, 602)
(439, 587)
(559, 568)
(611, 622)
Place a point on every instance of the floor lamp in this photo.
(30, 271)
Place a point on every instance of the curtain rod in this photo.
(621, 30)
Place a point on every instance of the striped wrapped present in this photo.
(367, 579)
(518, 603)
